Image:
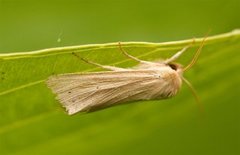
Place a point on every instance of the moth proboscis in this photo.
(87, 92)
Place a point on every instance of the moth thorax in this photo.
(174, 82)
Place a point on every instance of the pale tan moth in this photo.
(87, 92)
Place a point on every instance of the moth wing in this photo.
(94, 91)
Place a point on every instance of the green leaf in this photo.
(33, 122)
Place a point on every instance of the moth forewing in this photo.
(94, 91)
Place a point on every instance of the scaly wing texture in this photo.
(94, 91)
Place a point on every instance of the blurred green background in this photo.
(168, 127)
(30, 25)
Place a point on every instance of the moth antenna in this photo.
(128, 55)
(194, 94)
(195, 57)
(112, 68)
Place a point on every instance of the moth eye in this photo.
(173, 66)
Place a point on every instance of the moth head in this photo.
(176, 67)
(180, 69)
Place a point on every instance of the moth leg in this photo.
(112, 68)
(178, 54)
(130, 56)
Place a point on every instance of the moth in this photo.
(87, 92)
